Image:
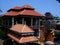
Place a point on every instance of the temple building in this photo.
(23, 15)
(22, 34)
(23, 21)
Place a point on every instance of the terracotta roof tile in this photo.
(16, 7)
(30, 13)
(14, 37)
(27, 6)
(11, 13)
(23, 39)
(20, 28)
(25, 12)
(28, 39)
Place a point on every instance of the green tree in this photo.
(48, 20)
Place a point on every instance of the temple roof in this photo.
(16, 7)
(23, 39)
(30, 13)
(27, 6)
(11, 13)
(25, 10)
(21, 28)
(28, 39)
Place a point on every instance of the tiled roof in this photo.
(30, 13)
(27, 10)
(11, 13)
(20, 28)
(28, 39)
(14, 37)
(16, 7)
(23, 39)
(27, 6)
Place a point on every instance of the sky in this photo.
(41, 6)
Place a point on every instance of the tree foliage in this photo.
(48, 15)
(58, 1)
(0, 10)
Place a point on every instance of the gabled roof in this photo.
(21, 28)
(23, 39)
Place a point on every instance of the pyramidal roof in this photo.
(16, 7)
(21, 28)
(25, 10)
(27, 6)
(11, 13)
(23, 39)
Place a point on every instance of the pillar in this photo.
(23, 21)
(12, 21)
(31, 22)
